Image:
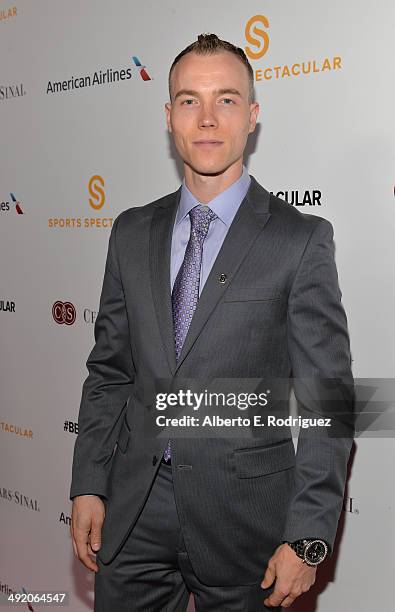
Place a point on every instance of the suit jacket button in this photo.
(222, 278)
(154, 460)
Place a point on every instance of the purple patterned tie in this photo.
(185, 293)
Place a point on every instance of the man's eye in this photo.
(229, 100)
(188, 100)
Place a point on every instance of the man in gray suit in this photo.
(218, 280)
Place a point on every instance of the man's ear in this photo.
(254, 110)
(167, 111)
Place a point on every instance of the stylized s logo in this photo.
(95, 189)
(262, 42)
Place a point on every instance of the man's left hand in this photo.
(293, 577)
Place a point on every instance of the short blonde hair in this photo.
(209, 44)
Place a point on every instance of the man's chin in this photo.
(207, 169)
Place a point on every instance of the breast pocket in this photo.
(262, 460)
(249, 294)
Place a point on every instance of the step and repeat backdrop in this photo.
(83, 137)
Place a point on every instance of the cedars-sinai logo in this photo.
(64, 313)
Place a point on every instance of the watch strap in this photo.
(300, 546)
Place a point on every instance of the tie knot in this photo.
(201, 217)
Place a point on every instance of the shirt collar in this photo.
(225, 204)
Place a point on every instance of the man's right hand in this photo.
(86, 524)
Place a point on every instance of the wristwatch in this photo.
(312, 551)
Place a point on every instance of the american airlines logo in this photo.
(142, 69)
(103, 76)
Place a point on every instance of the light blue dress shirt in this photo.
(225, 206)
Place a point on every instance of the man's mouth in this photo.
(208, 143)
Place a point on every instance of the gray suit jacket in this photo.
(278, 314)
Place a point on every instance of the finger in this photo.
(288, 601)
(95, 536)
(276, 598)
(81, 539)
(269, 577)
(87, 561)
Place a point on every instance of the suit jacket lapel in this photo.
(159, 254)
(249, 221)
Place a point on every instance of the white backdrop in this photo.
(90, 152)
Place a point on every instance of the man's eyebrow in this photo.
(220, 92)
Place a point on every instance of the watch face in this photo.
(316, 552)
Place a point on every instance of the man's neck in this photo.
(205, 187)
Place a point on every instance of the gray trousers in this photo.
(152, 571)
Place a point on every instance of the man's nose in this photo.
(207, 117)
